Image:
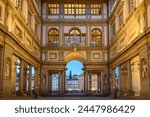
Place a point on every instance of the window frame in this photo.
(95, 9)
(74, 9)
(52, 36)
(120, 18)
(29, 18)
(80, 38)
(96, 37)
(53, 9)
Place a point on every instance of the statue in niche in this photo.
(7, 68)
(43, 79)
(144, 68)
(105, 79)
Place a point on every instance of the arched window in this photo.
(53, 38)
(96, 37)
(75, 37)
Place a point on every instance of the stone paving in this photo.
(76, 98)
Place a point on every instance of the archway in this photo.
(74, 79)
(75, 56)
(117, 77)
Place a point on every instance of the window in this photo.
(96, 39)
(74, 9)
(131, 5)
(53, 37)
(29, 18)
(95, 9)
(120, 18)
(53, 9)
(19, 4)
(18, 32)
(75, 37)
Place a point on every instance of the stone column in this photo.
(63, 81)
(120, 78)
(47, 77)
(98, 83)
(60, 36)
(59, 83)
(13, 74)
(86, 82)
(121, 82)
(113, 80)
(20, 92)
(25, 77)
(129, 87)
(102, 82)
(50, 83)
(36, 88)
(30, 80)
(90, 83)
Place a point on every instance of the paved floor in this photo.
(76, 98)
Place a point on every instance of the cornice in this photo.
(104, 22)
(75, 1)
(72, 48)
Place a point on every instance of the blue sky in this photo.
(75, 66)
(117, 71)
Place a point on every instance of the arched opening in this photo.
(74, 81)
(117, 77)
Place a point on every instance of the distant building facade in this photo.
(76, 83)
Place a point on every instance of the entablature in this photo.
(75, 1)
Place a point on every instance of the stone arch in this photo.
(75, 28)
(75, 56)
